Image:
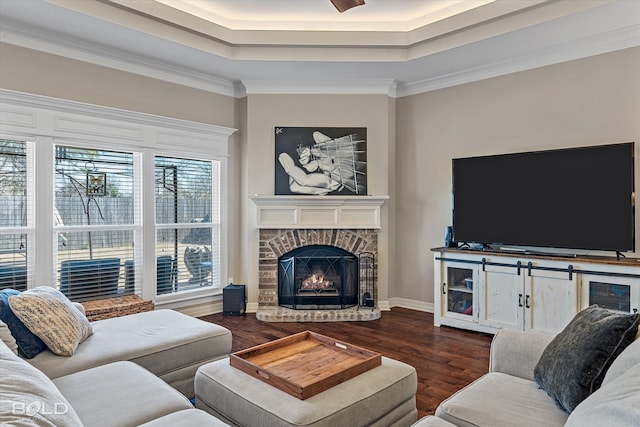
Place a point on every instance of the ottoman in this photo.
(383, 396)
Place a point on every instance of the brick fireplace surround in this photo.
(275, 242)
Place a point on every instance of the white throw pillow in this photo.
(52, 317)
(29, 398)
(7, 338)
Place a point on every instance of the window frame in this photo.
(49, 121)
(215, 211)
(28, 229)
(135, 226)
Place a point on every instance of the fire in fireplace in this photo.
(318, 277)
(317, 283)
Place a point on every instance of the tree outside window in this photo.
(94, 202)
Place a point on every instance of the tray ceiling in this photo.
(307, 46)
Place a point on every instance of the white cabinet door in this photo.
(612, 292)
(550, 300)
(459, 291)
(502, 297)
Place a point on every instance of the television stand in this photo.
(491, 290)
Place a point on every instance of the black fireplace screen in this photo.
(318, 276)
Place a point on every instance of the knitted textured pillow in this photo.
(53, 318)
(575, 362)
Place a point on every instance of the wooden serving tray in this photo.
(305, 364)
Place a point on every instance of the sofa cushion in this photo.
(616, 403)
(29, 345)
(7, 338)
(575, 362)
(625, 361)
(29, 398)
(170, 344)
(431, 421)
(501, 400)
(186, 418)
(52, 317)
(120, 394)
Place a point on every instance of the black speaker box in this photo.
(234, 300)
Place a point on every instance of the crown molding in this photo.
(589, 46)
(344, 87)
(56, 44)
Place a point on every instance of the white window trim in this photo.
(48, 120)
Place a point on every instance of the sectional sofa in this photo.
(510, 395)
(131, 370)
(117, 394)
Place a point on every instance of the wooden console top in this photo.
(632, 261)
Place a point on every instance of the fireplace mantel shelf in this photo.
(318, 211)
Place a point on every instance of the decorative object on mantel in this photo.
(321, 161)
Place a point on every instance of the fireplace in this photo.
(345, 258)
(318, 277)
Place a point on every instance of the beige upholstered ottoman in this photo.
(383, 396)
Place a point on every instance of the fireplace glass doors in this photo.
(318, 277)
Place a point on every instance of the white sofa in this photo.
(509, 396)
(133, 370)
(117, 394)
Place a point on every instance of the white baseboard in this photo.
(411, 304)
(384, 306)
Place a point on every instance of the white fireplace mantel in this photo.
(318, 211)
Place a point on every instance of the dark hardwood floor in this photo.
(446, 359)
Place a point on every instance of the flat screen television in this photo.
(576, 198)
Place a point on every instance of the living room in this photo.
(412, 139)
(583, 94)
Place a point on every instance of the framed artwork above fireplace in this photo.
(320, 161)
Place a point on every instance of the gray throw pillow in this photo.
(575, 362)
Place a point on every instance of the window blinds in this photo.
(188, 222)
(16, 214)
(95, 221)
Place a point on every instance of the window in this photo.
(95, 177)
(187, 197)
(16, 232)
(95, 222)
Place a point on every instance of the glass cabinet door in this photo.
(614, 293)
(458, 299)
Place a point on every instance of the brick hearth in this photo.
(276, 242)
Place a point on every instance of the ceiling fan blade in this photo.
(343, 5)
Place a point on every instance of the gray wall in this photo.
(411, 140)
(375, 112)
(584, 102)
